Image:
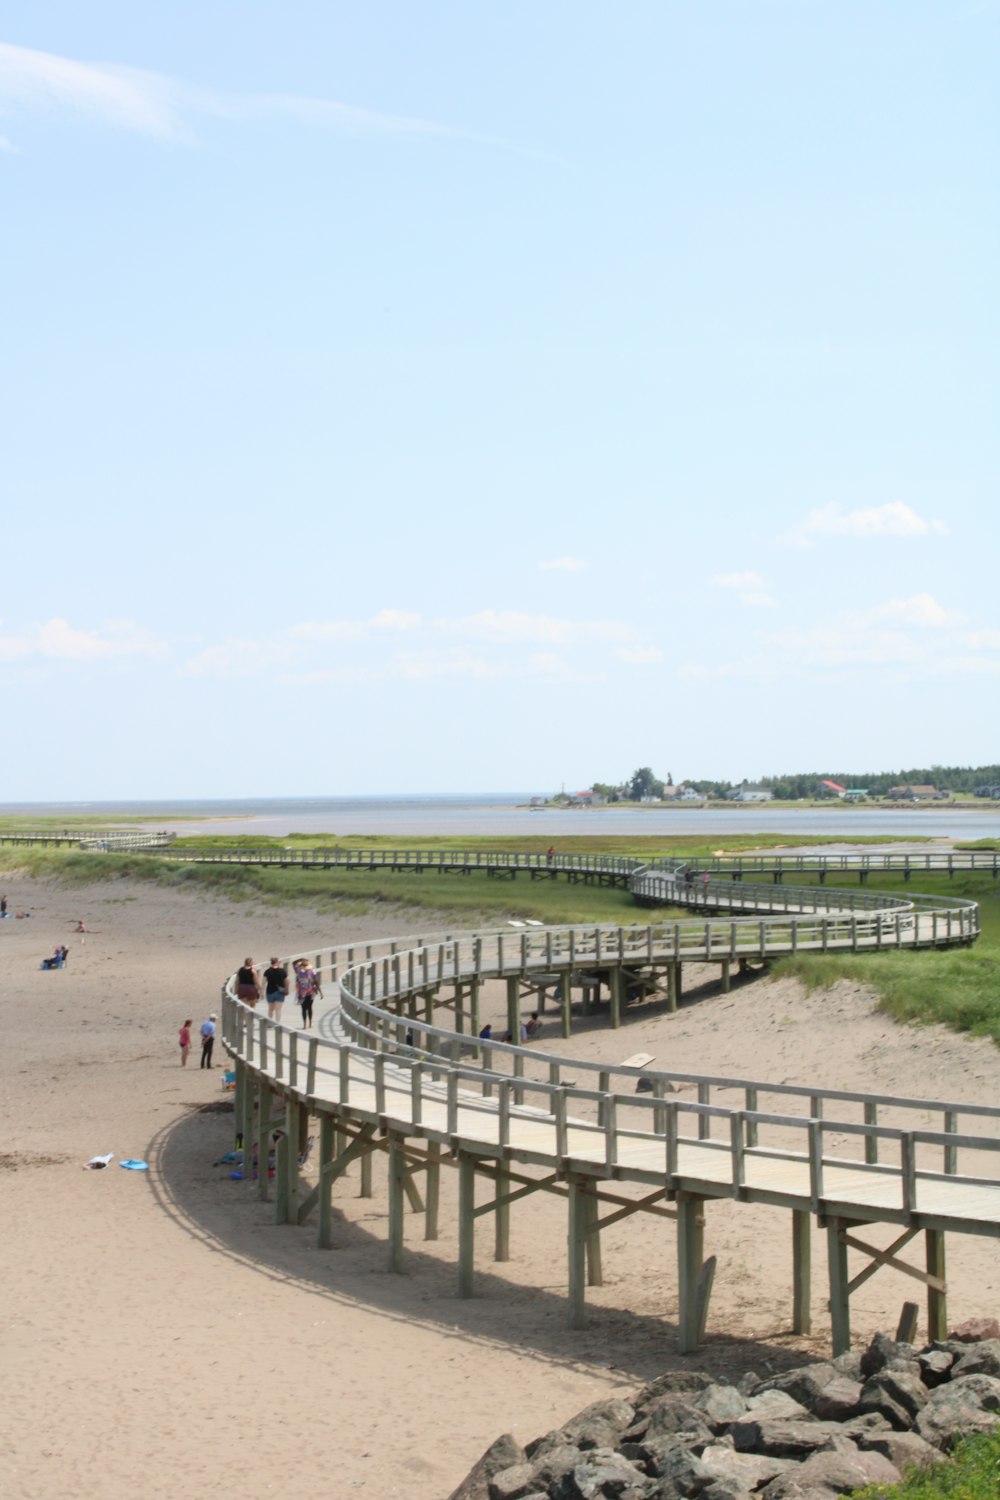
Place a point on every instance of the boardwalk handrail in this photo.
(847, 1156)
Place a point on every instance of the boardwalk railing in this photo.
(386, 1074)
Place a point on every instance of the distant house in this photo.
(912, 793)
(991, 789)
(855, 793)
(688, 794)
(589, 798)
(750, 794)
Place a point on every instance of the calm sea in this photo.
(505, 813)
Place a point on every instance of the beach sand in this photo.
(161, 1333)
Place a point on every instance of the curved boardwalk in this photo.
(387, 1079)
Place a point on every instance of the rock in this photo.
(982, 1359)
(883, 1351)
(803, 1384)
(726, 1489)
(844, 1472)
(748, 1384)
(721, 1404)
(787, 1487)
(904, 1449)
(780, 1437)
(614, 1415)
(749, 1469)
(555, 1463)
(502, 1454)
(683, 1470)
(668, 1415)
(654, 1453)
(673, 1383)
(935, 1366)
(603, 1473)
(849, 1365)
(777, 1404)
(837, 1401)
(975, 1329)
(967, 1404)
(897, 1394)
(513, 1483)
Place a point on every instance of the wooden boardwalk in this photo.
(386, 1078)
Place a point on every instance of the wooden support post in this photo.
(576, 1253)
(514, 1007)
(671, 986)
(366, 1176)
(616, 988)
(474, 1026)
(286, 1199)
(325, 1183)
(239, 1103)
(725, 976)
(397, 1177)
(679, 989)
(466, 1223)
(801, 1271)
(566, 1003)
(937, 1300)
(501, 1214)
(906, 1328)
(595, 1270)
(690, 1255)
(432, 1195)
(840, 1307)
(263, 1137)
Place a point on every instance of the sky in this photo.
(456, 397)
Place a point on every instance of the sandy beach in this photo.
(160, 1331)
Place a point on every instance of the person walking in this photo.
(208, 1040)
(248, 983)
(307, 987)
(275, 988)
(185, 1041)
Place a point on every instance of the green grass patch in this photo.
(971, 1473)
(959, 988)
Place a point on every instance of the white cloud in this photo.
(57, 640)
(154, 104)
(356, 630)
(983, 640)
(740, 581)
(639, 656)
(6, 144)
(237, 657)
(564, 565)
(894, 519)
(509, 627)
(922, 609)
(750, 587)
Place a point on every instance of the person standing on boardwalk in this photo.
(306, 989)
(208, 1040)
(248, 983)
(275, 988)
(185, 1041)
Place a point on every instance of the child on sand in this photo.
(185, 1041)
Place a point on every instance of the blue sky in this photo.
(453, 397)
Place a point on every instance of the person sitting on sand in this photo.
(185, 1041)
(486, 1035)
(532, 1026)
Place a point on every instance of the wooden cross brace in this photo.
(889, 1258)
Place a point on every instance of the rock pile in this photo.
(808, 1434)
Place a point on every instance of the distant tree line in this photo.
(805, 784)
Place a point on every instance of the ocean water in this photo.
(507, 814)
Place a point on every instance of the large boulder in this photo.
(780, 1437)
(897, 1394)
(982, 1359)
(499, 1455)
(838, 1400)
(777, 1404)
(843, 1472)
(749, 1469)
(720, 1404)
(907, 1450)
(602, 1473)
(970, 1403)
(975, 1329)
(803, 1384)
